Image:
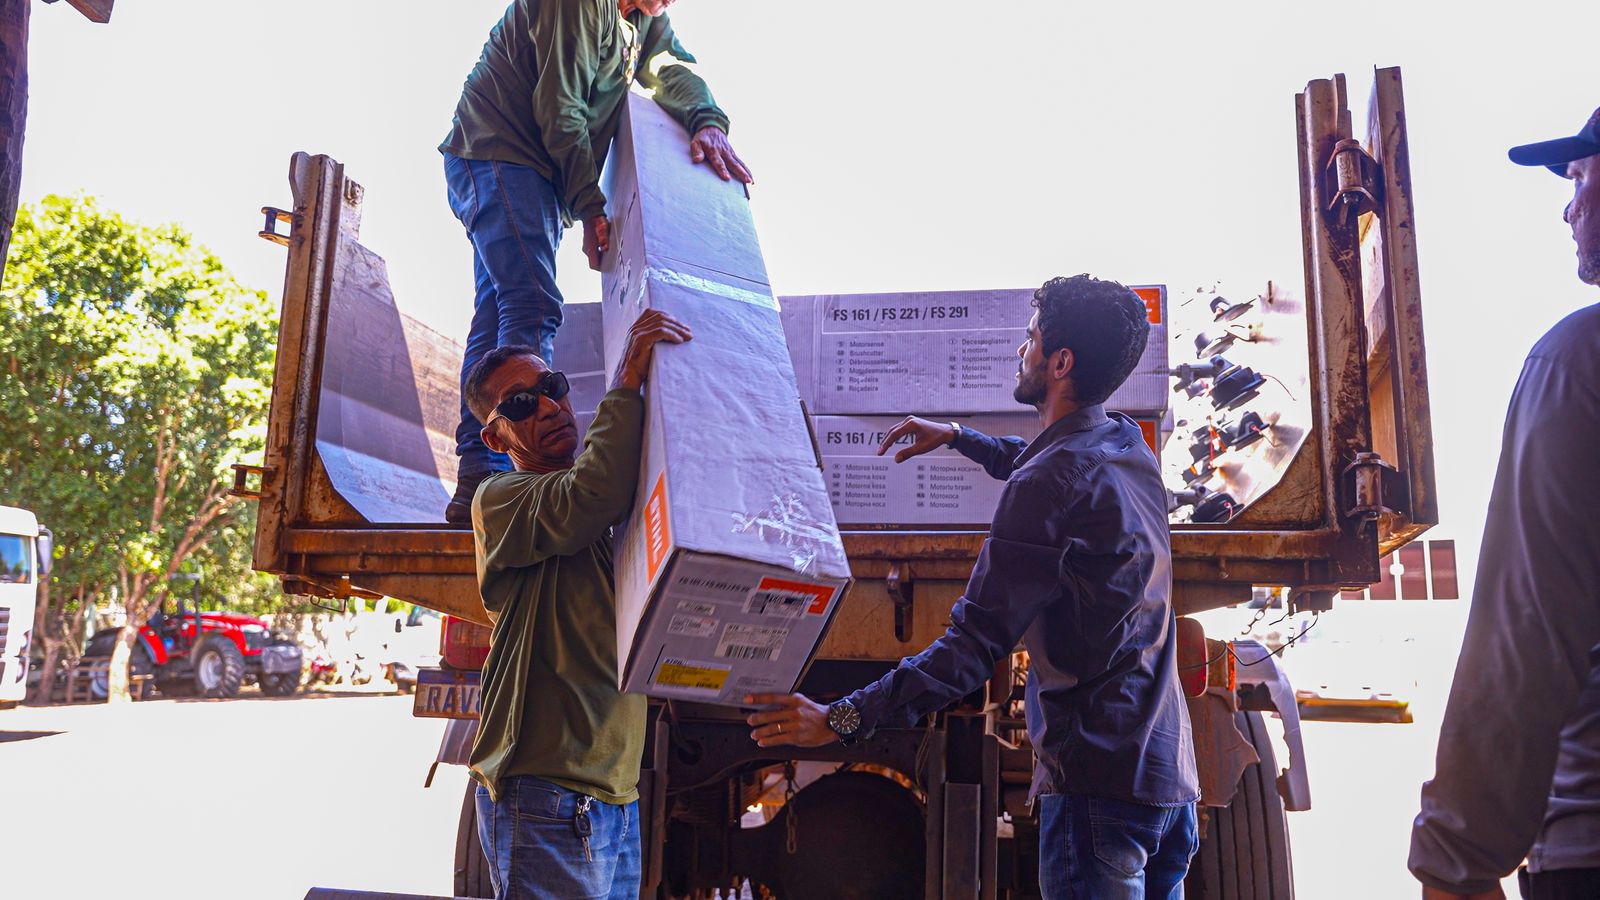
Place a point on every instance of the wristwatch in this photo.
(955, 433)
(845, 720)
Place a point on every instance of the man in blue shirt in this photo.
(1078, 566)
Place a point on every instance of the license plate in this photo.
(446, 694)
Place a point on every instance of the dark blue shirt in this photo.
(1078, 565)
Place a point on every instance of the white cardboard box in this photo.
(730, 566)
(955, 351)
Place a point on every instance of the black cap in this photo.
(1554, 155)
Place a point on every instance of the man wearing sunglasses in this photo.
(558, 747)
(523, 158)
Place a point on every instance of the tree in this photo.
(136, 371)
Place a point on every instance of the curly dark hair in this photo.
(478, 400)
(1103, 323)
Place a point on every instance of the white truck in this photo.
(25, 552)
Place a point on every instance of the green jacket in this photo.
(550, 83)
(550, 705)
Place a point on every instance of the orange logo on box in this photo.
(1152, 302)
(1149, 429)
(820, 594)
(657, 531)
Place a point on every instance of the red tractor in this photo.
(231, 650)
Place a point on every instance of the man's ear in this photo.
(1061, 364)
(492, 440)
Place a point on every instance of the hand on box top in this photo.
(791, 719)
(596, 239)
(925, 435)
(653, 327)
(710, 146)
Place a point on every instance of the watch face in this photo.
(844, 718)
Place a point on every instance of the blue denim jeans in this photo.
(1093, 848)
(534, 853)
(513, 218)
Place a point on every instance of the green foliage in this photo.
(134, 371)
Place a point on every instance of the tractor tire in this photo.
(281, 685)
(472, 867)
(218, 668)
(139, 663)
(1245, 852)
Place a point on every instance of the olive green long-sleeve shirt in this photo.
(550, 706)
(549, 85)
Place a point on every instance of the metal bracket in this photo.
(1372, 487)
(1354, 182)
(269, 231)
(241, 477)
(899, 584)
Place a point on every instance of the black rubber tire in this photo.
(139, 663)
(281, 685)
(1245, 852)
(472, 867)
(231, 672)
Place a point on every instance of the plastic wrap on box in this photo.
(730, 565)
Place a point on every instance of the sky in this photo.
(930, 146)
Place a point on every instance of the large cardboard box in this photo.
(955, 351)
(730, 566)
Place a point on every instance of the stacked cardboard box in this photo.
(864, 361)
(730, 565)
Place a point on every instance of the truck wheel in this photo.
(138, 664)
(218, 668)
(280, 685)
(1245, 852)
(472, 868)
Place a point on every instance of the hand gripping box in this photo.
(956, 351)
(730, 567)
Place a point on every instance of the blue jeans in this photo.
(513, 218)
(1101, 849)
(534, 853)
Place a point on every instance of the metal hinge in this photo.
(1373, 487)
(269, 231)
(900, 585)
(1354, 182)
(241, 479)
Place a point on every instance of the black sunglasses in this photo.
(517, 407)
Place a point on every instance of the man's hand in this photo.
(1433, 893)
(596, 239)
(651, 328)
(926, 436)
(792, 719)
(710, 146)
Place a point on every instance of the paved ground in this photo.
(264, 798)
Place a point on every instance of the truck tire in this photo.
(218, 668)
(1245, 852)
(281, 685)
(138, 664)
(472, 868)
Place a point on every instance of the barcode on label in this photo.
(741, 651)
(751, 642)
(778, 604)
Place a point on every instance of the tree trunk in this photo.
(44, 632)
(13, 111)
(121, 652)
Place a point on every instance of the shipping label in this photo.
(686, 675)
(751, 642)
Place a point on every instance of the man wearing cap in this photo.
(523, 159)
(1518, 770)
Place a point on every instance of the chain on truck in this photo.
(1296, 441)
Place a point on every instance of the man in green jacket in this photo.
(558, 747)
(523, 161)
